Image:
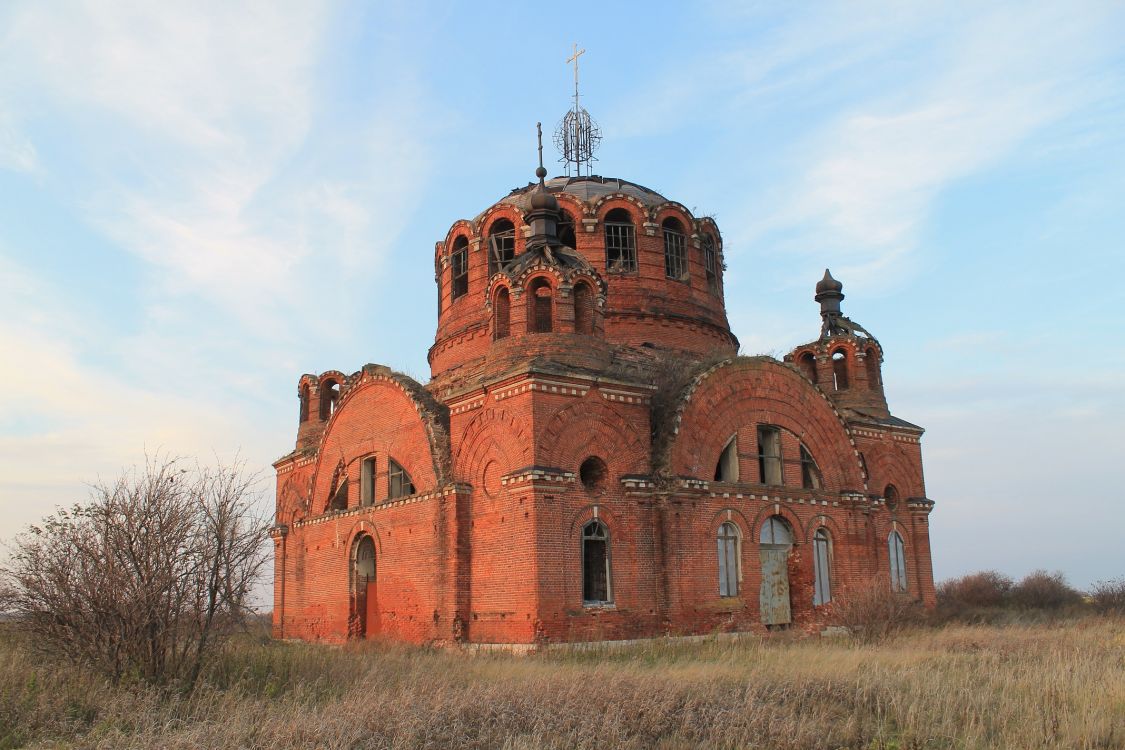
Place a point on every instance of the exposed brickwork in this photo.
(487, 547)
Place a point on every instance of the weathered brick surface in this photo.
(488, 547)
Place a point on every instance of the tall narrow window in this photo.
(871, 357)
(339, 499)
(769, 454)
(807, 363)
(730, 564)
(822, 567)
(810, 472)
(539, 311)
(620, 242)
(726, 470)
(399, 483)
(367, 481)
(303, 394)
(675, 250)
(711, 263)
(501, 245)
(502, 310)
(596, 585)
(583, 308)
(564, 230)
(897, 554)
(840, 370)
(329, 397)
(459, 268)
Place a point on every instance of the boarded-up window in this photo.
(620, 242)
(459, 268)
(822, 567)
(502, 310)
(897, 553)
(773, 597)
(595, 564)
(769, 454)
(539, 304)
(840, 370)
(399, 483)
(675, 250)
(726, 470)
(583, 308)
(730, 564)
(367, 481)
(810, 472)
(501, 245)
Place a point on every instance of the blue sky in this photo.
(199, 202)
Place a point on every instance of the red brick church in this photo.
(591, 458)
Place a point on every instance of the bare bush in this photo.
(988, 588)
(872, 611)
(146, 579)
(1108, 597)
(1043, 590)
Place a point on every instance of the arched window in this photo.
(596, 581)
(776, 531)
(399, 483)
(839, 370)
(730, 561)
(502, 312)
(303, 394)
(620, 242)
(675, 250)
(897, 554)
(807, 363)
(338, 499)
(459, 268)
(367, 481)
(539, 313)
(711, 263)
(583, 308)
(364, 615)
(776, 539)
(564, 230)
(364, 562)
(890, 496)
(810, 472)
(822, 567)
(726, 470)
(329, 398)
(501, 245)
(769, 455)
(871, 358)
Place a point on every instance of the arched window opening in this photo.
(620, 242)
(399, 483)
(596, 581)
(564, 229)
(890, 496)
(367, 481)
(303, 395)
(769, 454)
(329, 398)
(776, 539)
(593, 474)
(730, 559)
(364, 602)
(539, 312)
(726, 470)
(583, 308)
(810, 472)
(459, 268)
(364, 562)
(871, 358)
(339, 499)
(675, 250)
(502, 312)
(897, 554)
(501, 245)
(807, 363)
(822, 567)
(839, 370)
(711, 263)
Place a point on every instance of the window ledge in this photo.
(599, 605)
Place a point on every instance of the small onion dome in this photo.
(828, 284)
(541, 199)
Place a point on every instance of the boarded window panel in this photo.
(595, 563)
(822, 567)
(776, 540)
(729, 561)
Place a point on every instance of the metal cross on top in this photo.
(574, 59)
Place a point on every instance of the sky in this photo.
(201, 201)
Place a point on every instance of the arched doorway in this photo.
(365, 602)
(775, 540)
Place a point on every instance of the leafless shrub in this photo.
(872, 611)
(1109, 596)
(146, 579)
(1043, 590)
(987, 588)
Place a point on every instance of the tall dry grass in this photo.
(1037, 686)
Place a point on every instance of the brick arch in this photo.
(637, 211)
(579, 208)
(718, 518)
(592, 427)
(364, 527)
(777, 509)
(292, 505)
(887, 465)
(585, 514)
(745, 391)
(491, 425)
(658, 213)
(500, 211)
(830, 523)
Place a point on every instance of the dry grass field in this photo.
(1059, 685)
